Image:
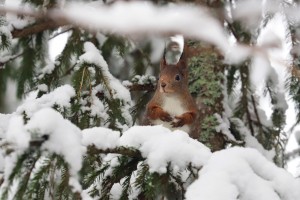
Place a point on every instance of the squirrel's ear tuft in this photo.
(182, 63)
(163, 61)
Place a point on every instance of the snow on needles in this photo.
(102, 138)
(93, 56)
(162, 147)
(243, 173)
(117, 91)
(159, 145)
(64, 139)
(60, 97)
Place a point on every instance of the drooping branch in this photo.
(38, 27)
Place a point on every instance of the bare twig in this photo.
(60, 33)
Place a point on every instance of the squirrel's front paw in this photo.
(180, 122)
(165, 117)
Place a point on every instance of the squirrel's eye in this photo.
(177, 77)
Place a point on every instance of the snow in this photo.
(174, 47)
(234, 172)
(43, 88)
(48, 69)
(14, 20)
(96, 107)
(224, 126)
(4, 120)
(16, 133)
(241, 173)
(93, 56)
(251, 141)
(141, 79)
(159, 144)
(121, 17)
(102, 138)
(60, 97)
(64, 137)
(260, 69)
(114, 87)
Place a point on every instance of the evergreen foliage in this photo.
(224, 93)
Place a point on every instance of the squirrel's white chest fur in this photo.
(174, 107)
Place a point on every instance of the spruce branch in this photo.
(38, 27)
(256, 112)
(120, 150)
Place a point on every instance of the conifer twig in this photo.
(120, 150)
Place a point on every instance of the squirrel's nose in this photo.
(163, 84)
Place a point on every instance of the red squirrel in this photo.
(172, 104)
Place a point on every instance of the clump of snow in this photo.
(241, 173)
(174, 47)
(4, 121)
(60, 97)
(14, 20)
(116, 191)
(260, 68)
(43, 88)
(64, 137)
(48, 69)
(16, 133)
(161, 146)
(143, 79)
(121, 17)
(102, 138)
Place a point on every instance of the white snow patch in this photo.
(121, 17)
(102, 138)
(4, 121)
(64, 137)
(161, 146)
(43, 88)
(16, 133)
(61, 97)
(241, 173)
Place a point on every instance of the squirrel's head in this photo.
(173, 78)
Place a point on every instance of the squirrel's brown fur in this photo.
(172, 104)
